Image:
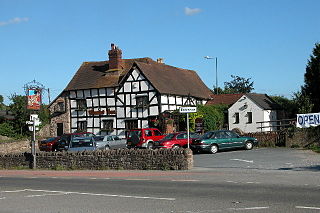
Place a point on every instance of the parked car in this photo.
(214, 141)
(110, 142)
(48, 144)
(176, 140)
(81, 144)
(143, 138)
(66, 138)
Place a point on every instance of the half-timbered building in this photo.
(110, 97)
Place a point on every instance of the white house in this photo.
(110, 97)
(253, 113)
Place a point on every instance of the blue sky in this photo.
(269, 41)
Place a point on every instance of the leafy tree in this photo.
(212, 115)
(18, 107)
(289, 106)
(311, 88)
(2, 105)
(303, 103)
(238, 85)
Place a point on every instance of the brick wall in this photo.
(127, 159)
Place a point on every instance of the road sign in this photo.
(187, 109)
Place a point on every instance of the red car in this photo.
(48, 144)
(176, 140)
(143, 138)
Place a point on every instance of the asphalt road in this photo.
(227, 182)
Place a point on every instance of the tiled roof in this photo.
(166, 79)
(172, 80)
(264, 101)
(227, 99)
(94, 75)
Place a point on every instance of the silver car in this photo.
(110, 142)
(82, 144)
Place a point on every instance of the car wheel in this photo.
(214, 149)
(249, 145)
(106, 148)
(175, 147)
(150, 145)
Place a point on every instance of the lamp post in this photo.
(216, 58)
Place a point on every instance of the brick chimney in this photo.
(115, 58)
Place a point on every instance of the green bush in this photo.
(7, 130)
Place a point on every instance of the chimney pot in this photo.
(115, 58)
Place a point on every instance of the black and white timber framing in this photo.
(119, 104)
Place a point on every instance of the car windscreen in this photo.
(137, 132)
(168, 137)
(207, 135)
(81, 142)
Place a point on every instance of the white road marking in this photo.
(308, 207)
(247, 161)
(2, 198)
(43, 195)
(253, 182)
(104, 195)
(93, 178)
(249, 208)
(22, 190)
(229, 181)
(137, 179)
(184, 180)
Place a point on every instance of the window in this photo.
(131, 124)
(147, 133)
(82, 126)
(157, 133)
(107, 125)
(249, 114)
(182, 136)
(81, 104)
(236, 118)
(142, 101)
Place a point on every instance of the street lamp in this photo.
(208, 57)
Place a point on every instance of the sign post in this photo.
(188, 110)
(33, 126)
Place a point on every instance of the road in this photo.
(288, 182)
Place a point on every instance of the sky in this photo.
(268, 41)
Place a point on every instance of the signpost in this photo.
(188, 110)
(33, 126)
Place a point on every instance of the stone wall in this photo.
(127, 159)
(60, 116)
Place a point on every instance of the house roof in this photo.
(227, 99)
(166, 79)
(94, 75)
(172, 80)
(264, 101)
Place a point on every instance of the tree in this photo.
(238, 85)
(289, 106)
(2, 105)
(18, 107)
(311, 88)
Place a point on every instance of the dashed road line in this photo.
(249, 208)
(104, 195)
(247, 161)
(184, 180)
(2, 198)
(307, 207)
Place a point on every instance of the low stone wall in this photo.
(126, 159)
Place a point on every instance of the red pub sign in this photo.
(34, 99)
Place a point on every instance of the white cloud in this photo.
(16, 20)
(191, 11)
